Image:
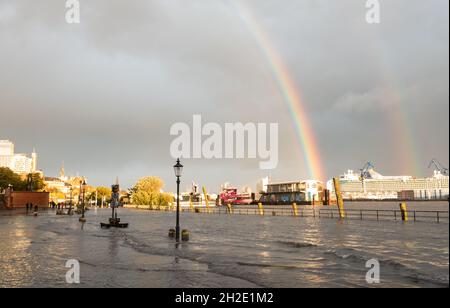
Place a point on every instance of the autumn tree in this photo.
(148, 191)
(102, 193)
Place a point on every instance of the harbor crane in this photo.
(365, 174)
(439, 167)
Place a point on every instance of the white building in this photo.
(261, 187)
(18, 163)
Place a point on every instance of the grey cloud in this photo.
(102, 95)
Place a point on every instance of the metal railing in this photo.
(330, 213)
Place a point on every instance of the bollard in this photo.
(295, 209)
(340, 200)
(185, 235)
(404, 210)
(261, 209)
(172, 233)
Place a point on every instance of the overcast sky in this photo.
(101, 95)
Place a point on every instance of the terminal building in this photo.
(305, 192)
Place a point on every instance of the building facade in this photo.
(300, 192)
(18, 163)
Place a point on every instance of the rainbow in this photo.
(291, 94)
(403, 140)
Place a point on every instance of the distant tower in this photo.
(62, 173)
(33, 161)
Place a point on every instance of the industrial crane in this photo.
(439, 167)
(365, 174)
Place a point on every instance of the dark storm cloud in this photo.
(101, 96)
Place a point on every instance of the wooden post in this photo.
(404, 210)
(340, 200)
(206, 199)
(261, 209)
(295, 209)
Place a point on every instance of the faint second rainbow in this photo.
(290, 93)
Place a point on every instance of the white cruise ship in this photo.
(373, 186)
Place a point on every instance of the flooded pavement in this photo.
(224, 251)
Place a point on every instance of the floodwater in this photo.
(224, 251)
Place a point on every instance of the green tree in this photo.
(8, 177)
(37, 182)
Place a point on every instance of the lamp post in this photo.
(178, 168)
(83, 187)
(10, 191)
(79, 194)
(30, 182)
(70, 201)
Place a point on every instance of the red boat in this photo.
(231, 196)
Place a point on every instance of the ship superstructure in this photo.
(371, 185)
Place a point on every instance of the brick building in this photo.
(18, 200)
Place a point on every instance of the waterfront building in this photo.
(18, 163)
(300, 192)
(261, 187)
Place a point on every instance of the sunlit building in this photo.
(18, 163)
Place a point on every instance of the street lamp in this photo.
(30, 182)
(70, 201)
(83, 189)
(178, 168)
(10, 191)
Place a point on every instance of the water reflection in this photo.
(231, 251)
